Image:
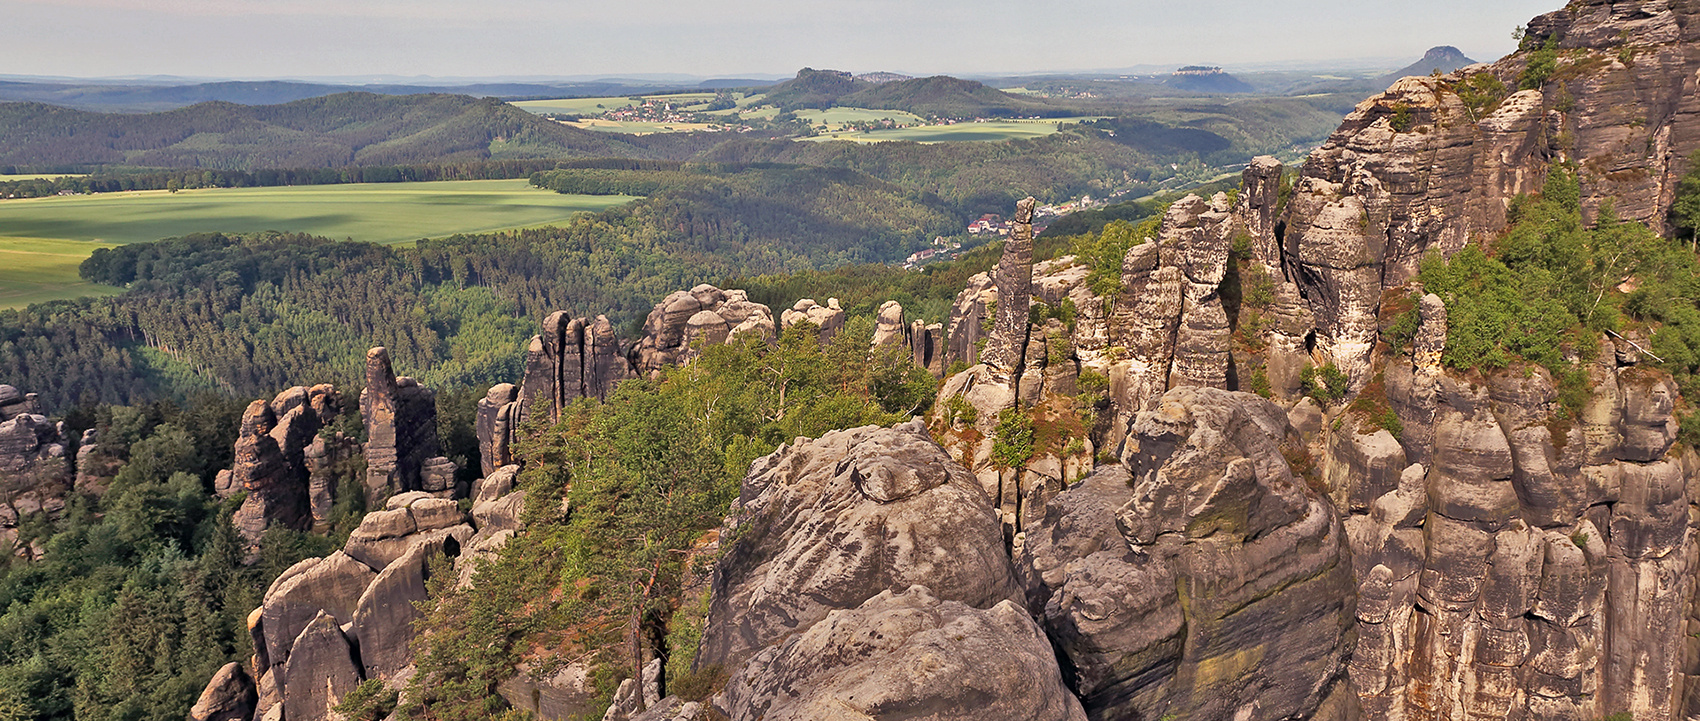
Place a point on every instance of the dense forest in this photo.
(326, 132)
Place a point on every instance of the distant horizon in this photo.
(435, 40)
(1362, 65)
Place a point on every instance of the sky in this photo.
(725, 38)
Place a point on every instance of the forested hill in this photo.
(326, 132)
(938, 96)
(947, 97)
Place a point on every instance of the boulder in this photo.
(907, 654)
(826, 524)
(229, 696)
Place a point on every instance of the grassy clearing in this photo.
(374, 212)
(989, 131)
(37, 270)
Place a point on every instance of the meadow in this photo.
(42, 240)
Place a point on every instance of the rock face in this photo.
(285, 467)
(704, 313)
(1374, 198)
(846, 516)
(1524, 564)
(229, 696)
(868, 574)
(907, 655)
(1203, 579)
(329, 623)
(573, 358)
(1013, 278)
(401, 433)
(35, 464)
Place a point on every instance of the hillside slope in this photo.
(324, 132)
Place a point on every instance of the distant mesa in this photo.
(1444, 59)
(883, 77)
(1206, 79)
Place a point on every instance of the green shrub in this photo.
(1012, 440)
(1402, 119)
(372, 700)
(1325, 385)
(1542, 64)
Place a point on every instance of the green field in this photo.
(989, 131)
(839, 116)
(598, 106)
(637, 127)
(36, 176)
(42, 240)
(37, 270)
(374, 212)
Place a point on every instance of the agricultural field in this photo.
(35, 176)
(636, 127)
(37, 270)
(837, 118)
(598, 106)
(42, 240)
(987, 131)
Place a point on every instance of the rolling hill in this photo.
(937, 96)
(325, 132)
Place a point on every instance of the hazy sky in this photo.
(467, 38)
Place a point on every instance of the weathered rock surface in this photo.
(1203, 580)
(36, 472)
(229, 696)
(572, 358)
(907, 655)
(704, 314)
(321, 670)
(826, 524)
(401, 430)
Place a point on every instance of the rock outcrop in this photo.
(401, 434)
(327, 624)
(828, 319)
(1201, 579)
(1375, 198)
(283, 464)
(573, 358)
(910, 655)
(704, 314)
(868, 573)
(36, 472)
